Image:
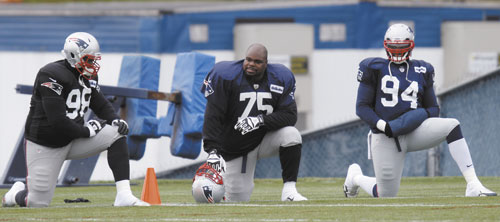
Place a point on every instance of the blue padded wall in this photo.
(184, 122)
(140, 72)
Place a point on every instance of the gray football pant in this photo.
(238, 178)
(44, 163)
(388, 162)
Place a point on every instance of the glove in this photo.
(122, 126)
(249, 124)
(94, 127)
(216, 161)
(388, 130)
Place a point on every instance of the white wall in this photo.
(334, 94)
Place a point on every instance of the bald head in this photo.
(255, 63)
(257, 49)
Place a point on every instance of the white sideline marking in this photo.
(323, 205)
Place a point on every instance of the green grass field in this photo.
(419, 199)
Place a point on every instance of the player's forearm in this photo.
(281, 118)
(366, 113)
(408, 121)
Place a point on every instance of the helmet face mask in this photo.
(82, 52)
(399, 42)
(208, 186)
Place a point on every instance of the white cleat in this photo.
(292, 196)
(9, 199)
(350, 189)
(476, 189)
(127, 199)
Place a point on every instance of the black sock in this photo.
(21, 197)
(290, 162)
(118, 159)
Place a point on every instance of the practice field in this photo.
(420, 199)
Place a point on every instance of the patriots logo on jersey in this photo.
(80, 43)
(208, 87)
(56, 87)
(207, 191)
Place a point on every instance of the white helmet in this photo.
(82, 51)
(398, 42)
(208, 186)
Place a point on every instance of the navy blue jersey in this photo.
(402, 96)
(61, 97)
(232, 95)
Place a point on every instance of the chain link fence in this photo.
(329, 152)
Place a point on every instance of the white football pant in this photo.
(239, 186)
(388, 163)
(44, 163)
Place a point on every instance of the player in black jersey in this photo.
(250, 114)
(55, 131)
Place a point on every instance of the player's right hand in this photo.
(94, 127)
(216, 161)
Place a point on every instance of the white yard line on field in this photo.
(323, 205)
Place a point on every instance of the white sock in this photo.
(290, 186)
(460, 153)
(123, 185)
(366, 183)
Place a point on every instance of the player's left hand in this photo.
(249, 124)
(216, 161)
(122, 126)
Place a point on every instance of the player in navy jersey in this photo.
(250, 114)
(55, 131)
(396, 99)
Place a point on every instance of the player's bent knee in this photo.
(451, 122)
(388, 173)
(237, 197)
(37, 204)
(289, 136)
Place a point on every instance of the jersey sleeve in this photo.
(285, 114)
(365, 101)
(216, 91)
(429, 100)
(54, 106)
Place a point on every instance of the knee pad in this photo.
(388, 186)
(289, 136)
(39, 180)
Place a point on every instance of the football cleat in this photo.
(292, 196)
(127, 199)
(476, 189)
(351, 189)
(290, 193)
(9, 199)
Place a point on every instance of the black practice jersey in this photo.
(231, 95)
(61, 97)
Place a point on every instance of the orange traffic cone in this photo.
(150, 193)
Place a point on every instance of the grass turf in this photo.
(419, 199)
